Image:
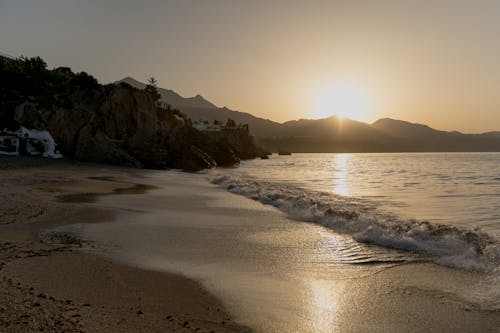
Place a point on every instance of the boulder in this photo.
(98, 147)
(194, 159)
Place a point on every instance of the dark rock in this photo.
(193, 159)
(120, 125)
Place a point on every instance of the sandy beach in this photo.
(97, 249)
(54, 287)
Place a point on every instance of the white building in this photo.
(31, 142)
(9, 144)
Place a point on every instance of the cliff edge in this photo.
(115, 124)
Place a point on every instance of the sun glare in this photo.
(345, 101)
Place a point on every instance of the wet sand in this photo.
(51, 285)
(279, 275)
(270, 273)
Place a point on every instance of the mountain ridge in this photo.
(334, 134)
(170, 96)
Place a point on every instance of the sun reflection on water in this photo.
(323, 306)
(340, 173)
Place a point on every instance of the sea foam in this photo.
(447, 245)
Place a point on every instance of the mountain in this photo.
(419, 137)
(171, 97)
(258, 126)
(264, 128)
(333, 127)
(197, 108)
(404, 129)
(334, 134)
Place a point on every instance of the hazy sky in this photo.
(430, 61)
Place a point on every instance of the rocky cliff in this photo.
(119, 124)
(127, 128)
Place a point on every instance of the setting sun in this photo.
(345, 101)
(250, 166)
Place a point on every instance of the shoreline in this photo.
(55, 287)
(244, 253)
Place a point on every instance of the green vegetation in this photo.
(152, 90)
(28, 79)
(230, 123)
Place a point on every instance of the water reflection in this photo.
(340, 169)
(322, 306)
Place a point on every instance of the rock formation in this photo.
(115, 123)
(127, 128)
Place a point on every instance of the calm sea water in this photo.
(278, 274)
(460, 189)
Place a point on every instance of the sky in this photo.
(428, 61)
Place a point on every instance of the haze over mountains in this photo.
(334, 134)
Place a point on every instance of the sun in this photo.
(342, 100)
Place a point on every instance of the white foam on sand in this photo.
(448, 245)
(273, 274)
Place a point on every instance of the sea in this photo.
(444, 206)
(314, 242)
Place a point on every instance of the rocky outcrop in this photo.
(123, 125)
(241, 145)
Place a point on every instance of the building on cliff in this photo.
(217, 126)
(28, 142)
(9, 143)
(206, 126)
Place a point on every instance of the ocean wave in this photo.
(447, 245)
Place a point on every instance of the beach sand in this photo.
(176, 253)
(56, 288)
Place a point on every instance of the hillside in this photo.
(332, 127)
(115, 123)
(197, 108)
(404, 129)
(419, 137)
(258, 126)
(171, 97)
(334, 134)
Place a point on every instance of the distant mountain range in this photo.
(334, 134)
(173, 98)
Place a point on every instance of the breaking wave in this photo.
(447, 245)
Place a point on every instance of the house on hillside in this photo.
(217, 126)
(28, 142)
(205, 126)
(9, 143)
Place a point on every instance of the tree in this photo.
(85, 80)
(230, 123)
(152, 81)
(33, 65)
(152, 89)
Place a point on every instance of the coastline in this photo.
(261, 276)
(55, 287)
